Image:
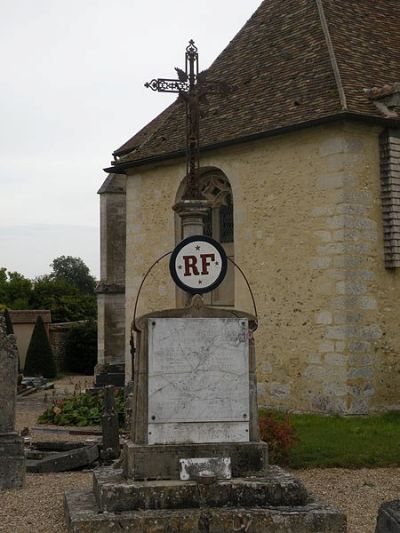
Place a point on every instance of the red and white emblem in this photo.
(198, 264)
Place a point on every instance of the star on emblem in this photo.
(197, 247)
(217, 263)
(180, 267)
(200, 282)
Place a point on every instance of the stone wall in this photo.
(57, 336)
(23, 321)
(309, 235)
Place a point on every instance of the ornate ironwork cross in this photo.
(192, 88)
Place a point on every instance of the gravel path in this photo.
(358, 492)
(39, 505)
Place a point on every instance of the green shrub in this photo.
(81, 348)
(39, 358)
(277, 430)
(81, 410)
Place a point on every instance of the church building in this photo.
(300, 163)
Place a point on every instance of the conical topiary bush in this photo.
(39, 358)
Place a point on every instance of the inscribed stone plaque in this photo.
(192, 468)
(198, 380)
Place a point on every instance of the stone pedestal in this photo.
(162, 461)
(12, 458)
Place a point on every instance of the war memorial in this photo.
(194, 461)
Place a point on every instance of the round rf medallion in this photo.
(198, 264)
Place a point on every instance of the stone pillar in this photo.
(192, 214)
(111, 289)
(12, 458)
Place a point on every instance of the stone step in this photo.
(83, 517)
(114, 493)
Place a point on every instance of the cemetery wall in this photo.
(308, 233)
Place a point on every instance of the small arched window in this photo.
(219, 224)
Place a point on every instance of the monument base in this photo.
(114, 493)
(83, 516)
(162, 461)
(12, 461)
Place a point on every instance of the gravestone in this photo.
(388, 520)
(12, 458)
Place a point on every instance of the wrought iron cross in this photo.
(192, 88)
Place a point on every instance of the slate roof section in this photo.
(285, 73)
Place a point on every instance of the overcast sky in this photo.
(71, 91)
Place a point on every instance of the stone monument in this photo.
(12, 458)
(194, 461)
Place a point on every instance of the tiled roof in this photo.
(293, 62)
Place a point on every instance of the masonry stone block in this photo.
(323, 211)
(350, 287)
(330, 182)
(366, 372)
(371, 332)
(360, 346)
(341, 332)
(347, 317)
(324, 236)
(347, 261)
(350, 209)
(327, 346)
(333, 359)
(324, 317)
(330, 249)
(319, 263)
(360, 359)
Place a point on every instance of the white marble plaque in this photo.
(198, 380)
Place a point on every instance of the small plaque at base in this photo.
(191, 469)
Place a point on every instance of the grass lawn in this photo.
(348, 442)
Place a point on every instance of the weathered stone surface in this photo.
(12, 458)
(83, 517)
(64, 461)
(110, 426)
(8, 379)
(116, 494)
(12, 461)
(388, 520)
(162, 462)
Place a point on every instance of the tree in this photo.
(65, 301)
(9, 326)
(39, 358)
(81, 348)
(74, 271)
(15, 290)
